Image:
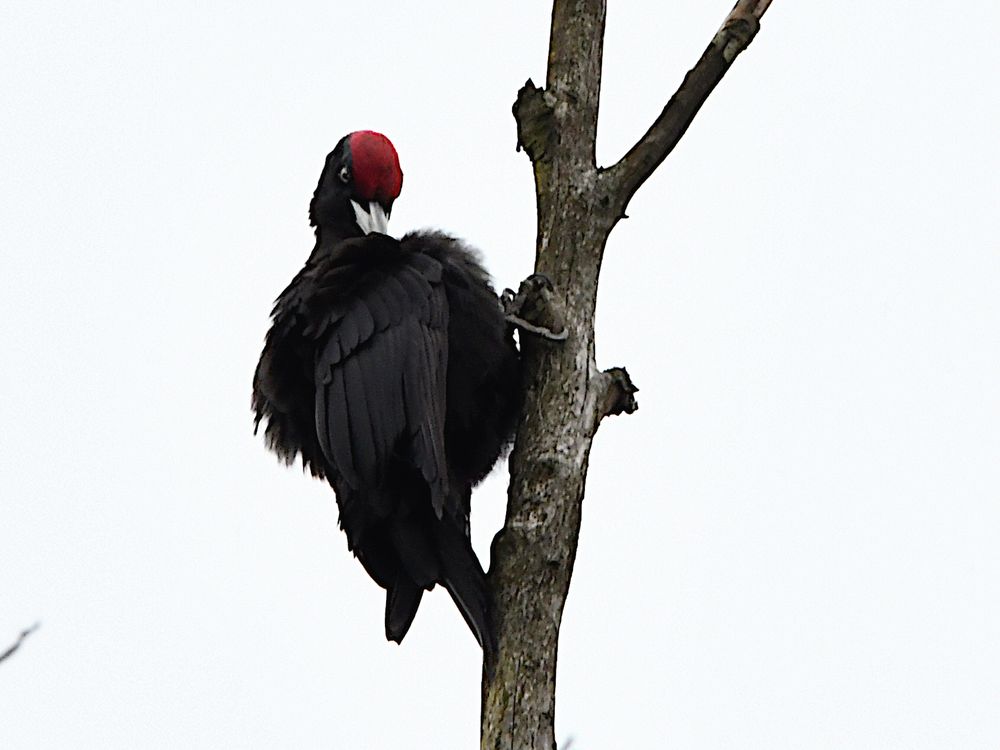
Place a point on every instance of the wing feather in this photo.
(382, 312)
(333, 422)
(381, 377)
(364, 428)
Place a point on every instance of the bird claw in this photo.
(533, 309)
(542, 331)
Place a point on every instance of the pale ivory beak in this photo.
(375, 219)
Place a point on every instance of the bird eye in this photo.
(344, 174)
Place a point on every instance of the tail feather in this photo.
(401, 602)
(465, 580)
(415, 550)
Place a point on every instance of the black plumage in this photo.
(389, 368)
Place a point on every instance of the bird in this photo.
(391, 371)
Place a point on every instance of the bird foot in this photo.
(533, 308)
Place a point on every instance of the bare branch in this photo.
(20, 639)
(734, 36)
(573, 78)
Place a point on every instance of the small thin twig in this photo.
(20, 640)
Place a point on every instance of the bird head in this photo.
(359, 182)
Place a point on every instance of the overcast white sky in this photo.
(794, 542)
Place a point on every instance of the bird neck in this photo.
(329, 236)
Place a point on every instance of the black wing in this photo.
(380, 376)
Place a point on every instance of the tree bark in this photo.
(566, 395)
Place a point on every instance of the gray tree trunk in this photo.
(567, 396)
